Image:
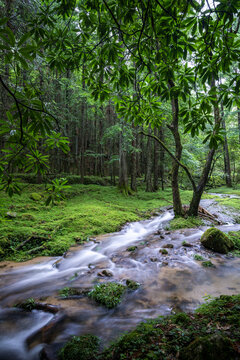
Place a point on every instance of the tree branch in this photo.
(26, 106)
(173, 157)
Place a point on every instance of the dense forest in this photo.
(119, 179)
(122, 90)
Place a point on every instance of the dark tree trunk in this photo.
(149, 187)
(197, 194)
(155, 163)
(239, 125)
(162, 156)
(134, 162)
(227, 168)
(177, 205)
(123, 173)
(82, 149)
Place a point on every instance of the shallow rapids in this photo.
(169, 283)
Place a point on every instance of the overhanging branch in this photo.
(173, 157)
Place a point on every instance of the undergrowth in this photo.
(88, 210)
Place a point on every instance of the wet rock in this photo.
(216, 240)
(165, 263)
(161, 237)
(209, 348)
(131, 248)
(105, 273)
(131, 284)
(153, 259)
(48, 332)
(163, 251)
(167, 232)
(168, 246)
(186, 244)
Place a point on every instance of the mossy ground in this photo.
(231, 203)
(88, 210)
(171, 337)
(181, 223)
(166, 337)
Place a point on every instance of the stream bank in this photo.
(170, 282)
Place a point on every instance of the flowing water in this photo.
(169, 283)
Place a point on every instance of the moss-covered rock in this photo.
(131, 284)
(216, 240)
(210, 347)
(108, 294)
(83, 347)
(35, 197)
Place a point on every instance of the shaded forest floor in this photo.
(29, 228)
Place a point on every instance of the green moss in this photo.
(67, 292)
(131, 248)
(188, 336)
(28, 217)
(207, 264)
(89, 210)
(35, 197)
(235, 237)
(132, 285)
(181, 223)
(209, 347)
(198, 257)
(216, 240)
(108, 294)
(27, 305)
(83, 347)
(163, 251)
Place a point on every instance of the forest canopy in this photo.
(103, 87)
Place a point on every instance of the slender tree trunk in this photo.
(177, 205)
(134, 162)
(239, 125)
(155, 163)
(227, 167)
(149, 187)
(162, 156)
(123, 173)
(197, 194)
(82, 149)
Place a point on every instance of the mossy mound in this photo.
(83, 347)
(209, 348)
(216, 240)
(35, 197)
(212, 332)
(108, 294)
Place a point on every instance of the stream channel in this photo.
(169, 283)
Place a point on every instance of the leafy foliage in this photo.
(108, 294)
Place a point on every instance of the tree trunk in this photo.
(227, 168)
(197, 194)
(162, 156)
(239, 125)
(156, 163)
(134, 162)
(82, 149)
(149, 187)
(177, 205)
(123, 174)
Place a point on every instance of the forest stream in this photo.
(168, 283)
